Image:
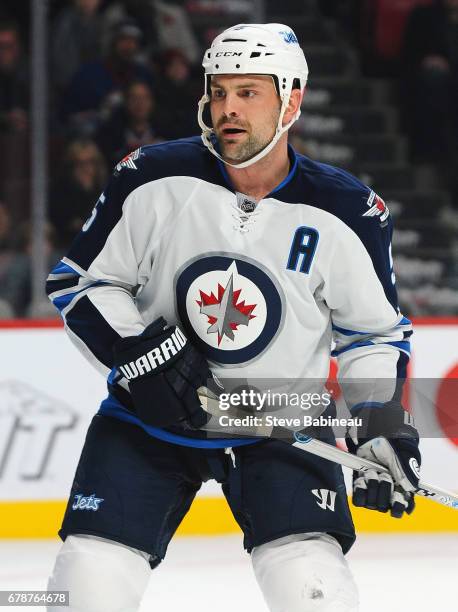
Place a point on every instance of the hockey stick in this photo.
(210, 404)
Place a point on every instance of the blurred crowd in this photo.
(415, 41)
(125, 73)
(115, 85)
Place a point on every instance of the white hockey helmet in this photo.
(255, 48)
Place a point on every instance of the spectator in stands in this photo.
(175, 29)
(76, 190)
(178, 92)
(143, 13)
(430, 64)
(136, 123)
(14, 91)
(76, 39)
(16, 285)
(97, 87)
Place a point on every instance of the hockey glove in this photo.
(385, 437)
(164, 372)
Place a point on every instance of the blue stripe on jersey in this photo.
(353, 346)
(58, 284)
(402, 345)
(351, 332)
(63, 268)
(62, 301)
(112, 376)
(111, 407)
(293, 159)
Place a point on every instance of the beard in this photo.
(242, 151)
(235, 151)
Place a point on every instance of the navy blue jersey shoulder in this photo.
(185, 157)
(331, 189)
(346, 197)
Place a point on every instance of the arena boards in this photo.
(48, 393)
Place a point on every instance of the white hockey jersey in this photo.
(262, 290)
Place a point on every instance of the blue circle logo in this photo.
(230, 307)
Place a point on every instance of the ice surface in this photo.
(394, 573)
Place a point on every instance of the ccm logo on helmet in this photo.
(155, 358)
(227, 53)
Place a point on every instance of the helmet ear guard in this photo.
(265, 49)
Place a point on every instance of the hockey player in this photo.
(230, 255)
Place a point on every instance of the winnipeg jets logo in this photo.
(230, 307)
(327, 499)
(289, 37)
(225, 313)
(87, 503)
(129, 161)
(377, 207)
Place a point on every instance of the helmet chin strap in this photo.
(280, 130)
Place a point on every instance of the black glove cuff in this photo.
(390, 421)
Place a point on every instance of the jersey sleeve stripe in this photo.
(61, 284)
(350, 332)
(63, 268)
(63, 300)
(352, 346)
(403, 346)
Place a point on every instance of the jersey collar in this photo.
(293, 166)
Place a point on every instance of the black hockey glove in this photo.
(385, 437)
(164, 372)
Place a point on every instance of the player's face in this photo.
(244, 111)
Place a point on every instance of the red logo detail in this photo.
(380, 204)
(237, 308)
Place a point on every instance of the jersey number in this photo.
(303, 249)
